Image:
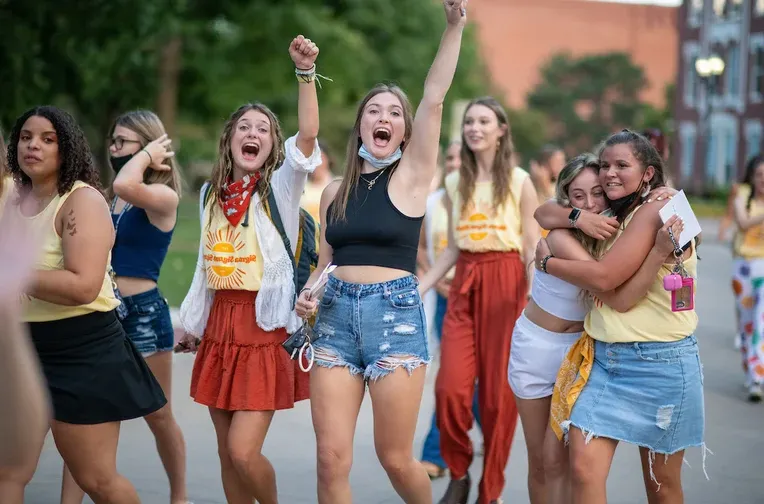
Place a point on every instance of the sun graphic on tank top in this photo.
(754, 238)
(222, 262)
(479, 223)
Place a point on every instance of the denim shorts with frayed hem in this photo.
(148, 323)
(647, 394)
(371, 329)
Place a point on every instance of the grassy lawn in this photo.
(178, 269)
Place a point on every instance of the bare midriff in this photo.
(130, 286)
(368, 274)
(545, 320)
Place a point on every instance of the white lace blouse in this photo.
(274, 309)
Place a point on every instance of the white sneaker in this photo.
(754, 393)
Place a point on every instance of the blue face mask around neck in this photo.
(379, 163)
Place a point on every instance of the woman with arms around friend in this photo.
(144, 203)
(371, 321)
(553, 320)
(492, 235)
(600, 395)
(95, 375)
(242, 309)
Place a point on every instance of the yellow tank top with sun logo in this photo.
(749, 244)
(232, 257)
(481, 228)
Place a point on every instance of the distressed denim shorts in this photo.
(647, 394)
(148, 323)
(371, 329)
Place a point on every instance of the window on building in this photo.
(730, 155)
(753, 138)
(690, 79)
(732, 72)
(757, 71)
(711, 161)
(728, 9)
(688, 153)
(695, 12)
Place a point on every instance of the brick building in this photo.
(517, 37)
(718, 119)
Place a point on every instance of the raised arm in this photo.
(621, 262)
(446, 259)
(419, 161)
(87, 235)
(157, 199)
(304, 53)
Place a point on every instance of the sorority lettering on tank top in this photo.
(52, 258)
(481, 227)
(651, 319)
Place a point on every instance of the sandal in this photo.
(434, 471)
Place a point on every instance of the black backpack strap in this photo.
(273, 210)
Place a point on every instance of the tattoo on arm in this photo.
(71, 223)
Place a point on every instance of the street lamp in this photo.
(710, 67)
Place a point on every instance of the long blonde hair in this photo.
(353, 162)
(147, 125)
(503, 163)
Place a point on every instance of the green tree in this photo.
(586, 98)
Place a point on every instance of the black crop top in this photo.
(374, 232)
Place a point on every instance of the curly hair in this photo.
(75, 156)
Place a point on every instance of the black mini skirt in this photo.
(94, 373)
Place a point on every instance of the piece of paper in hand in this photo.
(321, 282)
(679, 205)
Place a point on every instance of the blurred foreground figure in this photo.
(23, 399)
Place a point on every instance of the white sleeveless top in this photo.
(558, 297)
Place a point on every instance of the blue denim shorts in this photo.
(647, 394)
(372, 329)
(148, 323)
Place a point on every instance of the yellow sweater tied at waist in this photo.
(573, 375)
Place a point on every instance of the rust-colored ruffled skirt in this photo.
(239, 366)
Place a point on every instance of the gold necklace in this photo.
(370, 183)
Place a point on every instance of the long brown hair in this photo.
(222, 171)
(353, 162)
(503, 163)
(147, 125)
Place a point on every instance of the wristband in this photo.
(544, 261)
(151, 160)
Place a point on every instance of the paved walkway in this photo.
(735, 433)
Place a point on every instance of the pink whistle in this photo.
(672, 282)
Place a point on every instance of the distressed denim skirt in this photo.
(371, 329)
(647, 394)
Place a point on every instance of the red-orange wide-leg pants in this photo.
(487, 295)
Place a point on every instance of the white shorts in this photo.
(535, 358)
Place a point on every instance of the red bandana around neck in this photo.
(236, 196)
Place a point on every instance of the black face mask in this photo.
(621, 206)
(118, 162)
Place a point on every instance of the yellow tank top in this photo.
(749, 244)
(52, 258)
(311, 200)
(232, 255)
(438, 232)
(651, 319)
(480, 228)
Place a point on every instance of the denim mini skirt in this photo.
(646, 394)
